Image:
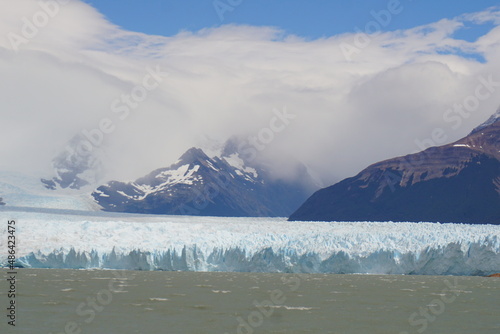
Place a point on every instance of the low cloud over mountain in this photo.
(142, 100)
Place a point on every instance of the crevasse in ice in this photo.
(251, 244)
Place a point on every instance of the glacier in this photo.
(21, 190)
(86, 240)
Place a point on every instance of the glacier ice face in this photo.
(121, 241)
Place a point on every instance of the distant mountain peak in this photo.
(73, 168)
(192, 155)
(230, 146)
(493, 119)
(197, 184)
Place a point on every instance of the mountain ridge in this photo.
(197, 184)
(457, 182)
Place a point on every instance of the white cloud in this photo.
(226, 81)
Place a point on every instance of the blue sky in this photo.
(309, 19)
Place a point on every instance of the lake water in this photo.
(123, 302)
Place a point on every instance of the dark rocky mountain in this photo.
(196, 184)
(459, 183)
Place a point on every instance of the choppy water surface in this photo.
(122, 302)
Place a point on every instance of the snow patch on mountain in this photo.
(235, 161)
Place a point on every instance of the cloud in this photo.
(227, 81)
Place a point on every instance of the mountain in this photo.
(197, 184)
(74, 167)
(75, 171)
(494, 118)
(458, 182)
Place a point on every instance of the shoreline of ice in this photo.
(58, 240)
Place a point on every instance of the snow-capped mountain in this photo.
(493, 119)
(75, 167)
(458, 182)
(75, 172)
(197, 184)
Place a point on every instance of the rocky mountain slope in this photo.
(459, 182)
(197, 184)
